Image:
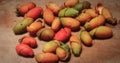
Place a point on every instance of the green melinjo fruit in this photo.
(101, 32)
(68, 12)
(82, 5)
(75, 44)
(20, 27)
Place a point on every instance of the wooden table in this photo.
(102, 51)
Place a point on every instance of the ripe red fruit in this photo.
(24, 8)
(68, 31)
(24, 50)
(30, 41)
(34, 13)
(63, 34)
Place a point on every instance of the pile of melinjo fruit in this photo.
(55, 24)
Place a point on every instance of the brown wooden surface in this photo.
(102, 51)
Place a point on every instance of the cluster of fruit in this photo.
(61, 21)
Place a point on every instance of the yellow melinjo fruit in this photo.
(95, 22)
(91, 12)
(83, 18)
(103, 32)
(86, 38)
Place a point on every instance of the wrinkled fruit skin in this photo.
(48, 16)
(62, 34)
(34, 13)
(24, 50)
(45, 34)
(71, 23)
(21, 27)
(92, 12)
(86, 38)
(83, 18)
(54, 7)
(56, 24)
(68, 12)
(30, 41)
(99, 33)
(95, 22)
(63, 52)
(24, 8)
(50, 47)
(76, 46)
(46, 58)
(34, 27)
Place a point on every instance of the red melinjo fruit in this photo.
(34, 13)
(63, 34)
(24, 8)
(24, 50)
(30, 41)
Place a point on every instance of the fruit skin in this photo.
(99, 33)
(71, 23)
(82, 5)
(50, 47)
(92, 12)
(86, 4)
(46, 58)
(95, 22)
(48, 16)
(86, 38)
(24, 8)
(68, 31)
(62, 12)
(63, 52)
(92, 32)
(108, 15)
(35, 26)
(83, 18)
(75, 45)
(34, 13)
(21, 27)
(53, 7)
(45, 34)
(56, 24)
(62, 34)
(68, 12)
(30, 41)
(70, 3)
(78, 6)
(87, 15)
(76, 49)
(24, 50)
